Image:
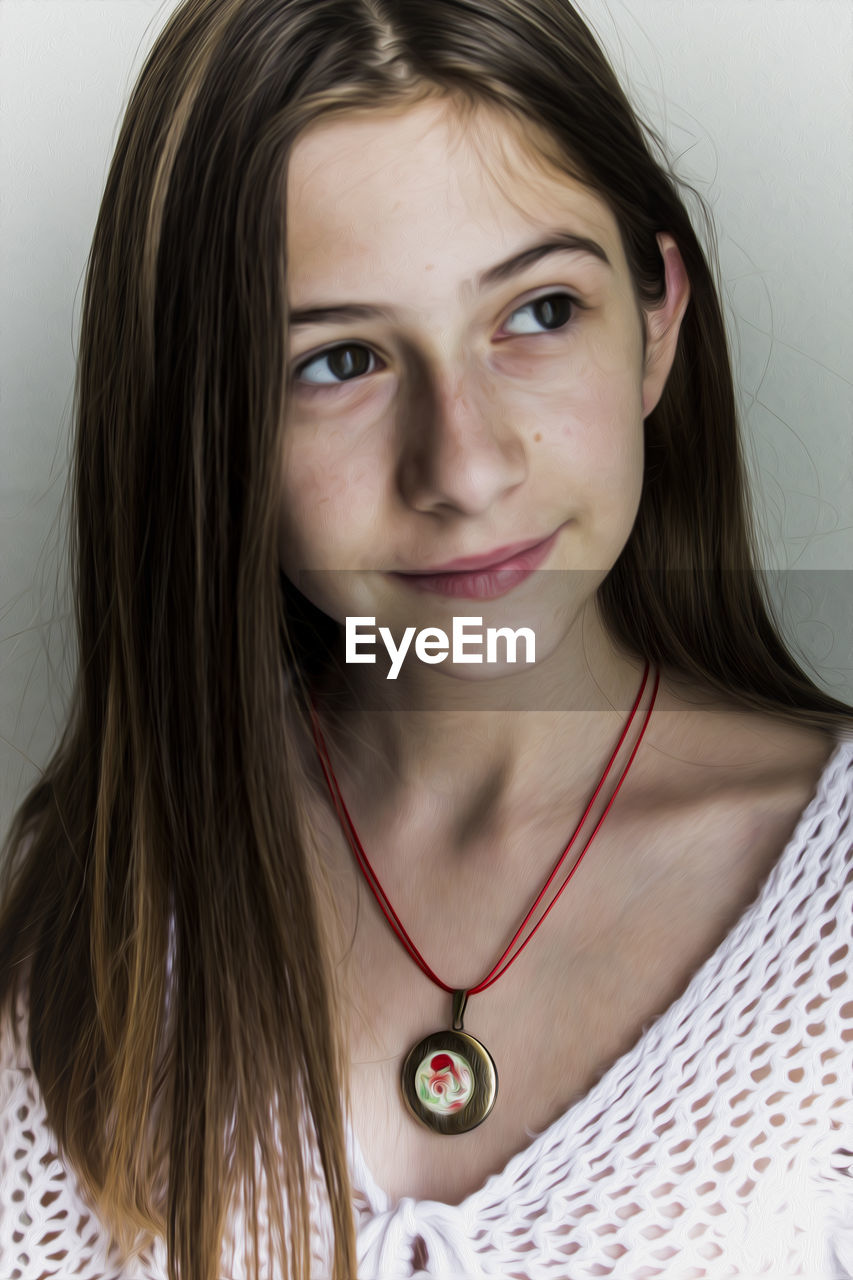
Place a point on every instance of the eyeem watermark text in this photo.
(432, 644)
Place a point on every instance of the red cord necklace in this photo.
(449, 1078)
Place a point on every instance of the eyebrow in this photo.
(557, 242)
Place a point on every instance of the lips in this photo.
(491, 559)
(483, 581)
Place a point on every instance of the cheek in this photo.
(327, 506)
(604, 440)
(587, 397)
(590, 420)
(592, 444)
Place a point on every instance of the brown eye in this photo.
(543, 314)
(338, 364)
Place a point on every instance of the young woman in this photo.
(393, 316)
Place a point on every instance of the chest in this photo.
(644, 912)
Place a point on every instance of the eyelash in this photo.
(344, 346)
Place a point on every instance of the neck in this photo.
(449, 756)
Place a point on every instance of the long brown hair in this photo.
(160, 910)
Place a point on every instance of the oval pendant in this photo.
(449, 1081)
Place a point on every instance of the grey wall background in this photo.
(755, 101)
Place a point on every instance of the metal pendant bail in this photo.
(460, 999)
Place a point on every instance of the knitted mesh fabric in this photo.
(720, 1145)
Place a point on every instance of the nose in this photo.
(461, 451)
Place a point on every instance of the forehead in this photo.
(378, 200)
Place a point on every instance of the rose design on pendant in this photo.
(444, 1082)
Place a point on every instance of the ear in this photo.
(663, 323)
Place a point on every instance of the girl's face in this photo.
(467, 371)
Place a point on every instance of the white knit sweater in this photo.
(720, 1145)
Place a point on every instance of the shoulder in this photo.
(701, 743)
(730, 797)
(38, 1201)
(47, 1227)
